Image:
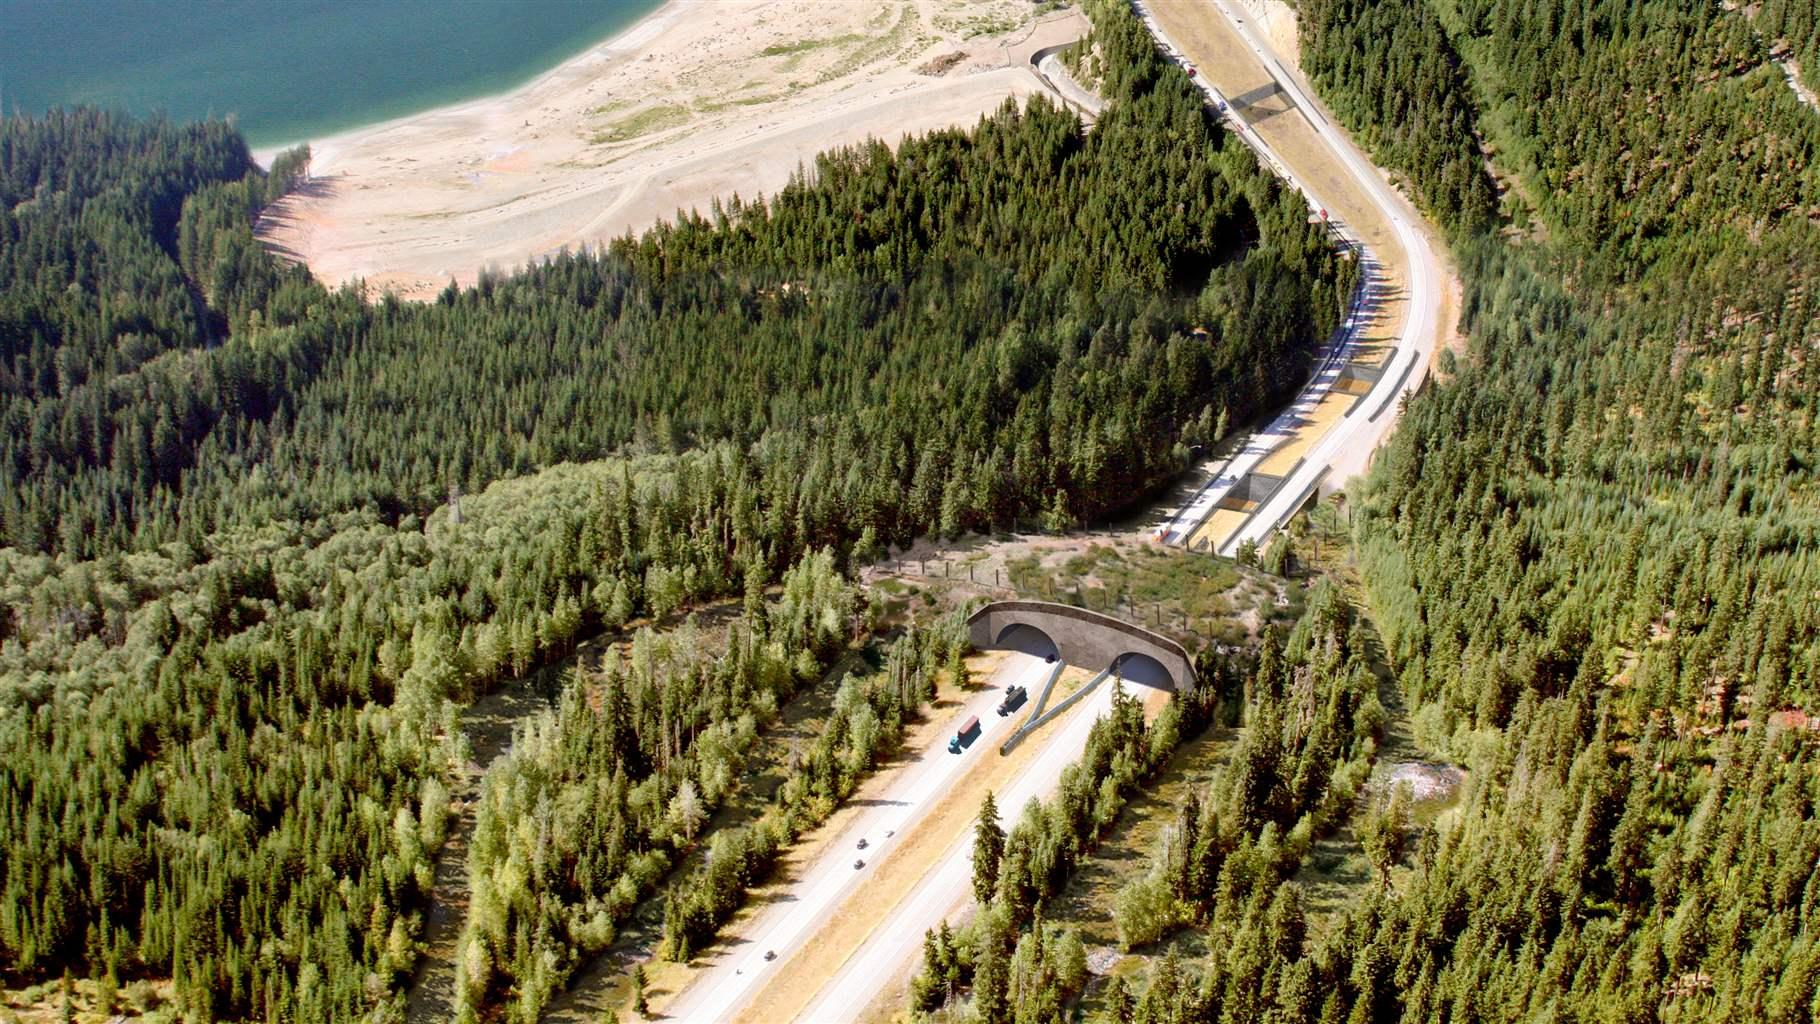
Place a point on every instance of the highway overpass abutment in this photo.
(1087, 639)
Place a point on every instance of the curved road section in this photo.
(1273, 109)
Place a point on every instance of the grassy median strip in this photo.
(951, 817)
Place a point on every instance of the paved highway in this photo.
(725, 988)
(1259, 446)
(947, 888)
(1049, 68)
(1346, 447)
(720, 991)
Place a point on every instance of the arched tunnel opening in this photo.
(1030, 640)
(1143, 670)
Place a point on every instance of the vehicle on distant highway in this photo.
(862, 843)
(770, 954)
(857, 864)
(1013, 698)
(964, 735)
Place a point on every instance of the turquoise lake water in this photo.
(288, 69)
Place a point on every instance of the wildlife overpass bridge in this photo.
(1083, 638)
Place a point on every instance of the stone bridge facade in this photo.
(1086, 639)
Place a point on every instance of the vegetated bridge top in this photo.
(1086, 639)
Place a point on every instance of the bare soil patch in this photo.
(706, 99)
(941, 65)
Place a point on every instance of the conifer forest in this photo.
(265, 543)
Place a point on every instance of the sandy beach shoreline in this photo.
(698, 99)
(624, 40)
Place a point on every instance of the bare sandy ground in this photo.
(1278, 20)
(705, 98)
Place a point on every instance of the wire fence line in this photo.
(1099, 599)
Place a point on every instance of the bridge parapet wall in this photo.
(1088, 639)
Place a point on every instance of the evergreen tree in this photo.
(988, 849)
(640, 1005)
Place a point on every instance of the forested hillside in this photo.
(242, 616)
(1389, 69)
(1593, 546)
(994, 249)
(115, 266)
(1312, 724)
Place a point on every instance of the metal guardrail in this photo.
(1396, 391)
(1301, 499)
(1042, 699)
(1037, 722)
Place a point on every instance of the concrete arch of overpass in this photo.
(1144, 670)
(1087, 639)
(1029, 639)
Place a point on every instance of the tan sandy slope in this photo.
(705, 98)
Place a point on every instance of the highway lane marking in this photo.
(830, 881)
(1417, 332)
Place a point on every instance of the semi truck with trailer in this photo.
(965, 734)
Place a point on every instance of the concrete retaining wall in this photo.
(1087, 639)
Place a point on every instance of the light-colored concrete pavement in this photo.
(1050, 69)
(1280, 431)
(946, 889)
(720, 991)
(1344, 448)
